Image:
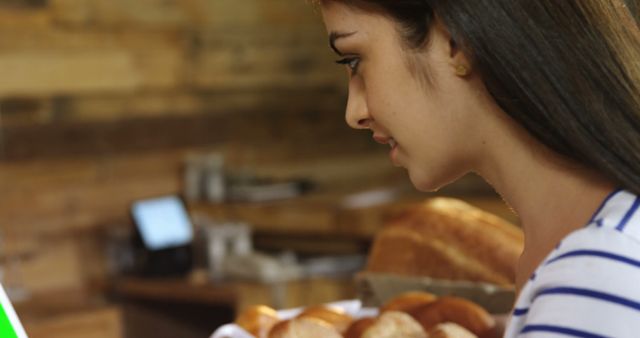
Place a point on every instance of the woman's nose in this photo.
(357, 114)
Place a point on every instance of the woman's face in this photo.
(432, 126)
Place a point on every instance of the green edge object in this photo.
(6, 329)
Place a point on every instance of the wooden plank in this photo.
(297, 126)
(291, 13)
(71, 12)
(54, 266)
(265, 67)
(16, 16)
(216, 13)
(59, 196)
(26, 111)
(59, 140)
(102, 323)
(42, 73)
(266, 57)
(55, 196)
(52, 303)
(157, 58)
(179, 102)
(85, 208)
(151, 13)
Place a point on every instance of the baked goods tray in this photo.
(353, 308)
(374, 289)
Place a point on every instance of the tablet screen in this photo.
(10, 326)
(163, 222)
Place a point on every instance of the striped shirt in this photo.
(589, 286)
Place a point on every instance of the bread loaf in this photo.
(358, 327)
(408, 301)
(446, 238)
(336, 317)
(258, 320)
(394, 324)
(409, 315)
(450, 330)
(459, 311)
(304, 328)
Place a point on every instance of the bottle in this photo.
(215, 183)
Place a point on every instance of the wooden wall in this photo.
(101, 100)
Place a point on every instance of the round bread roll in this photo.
(358, 327)
(336, 317)
(394, 324)
(450, 330)
(279, 330)
(408, 301)
(456, 310)
(258, 320)
(304, 328)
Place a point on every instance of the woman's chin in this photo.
(424, 182)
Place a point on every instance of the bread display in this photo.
(446, 238)
(410, 315)
(442, 238)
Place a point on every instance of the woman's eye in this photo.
(350, 62)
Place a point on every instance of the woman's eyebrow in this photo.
(333, 36)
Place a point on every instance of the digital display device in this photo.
(10, 326)
(163, 222)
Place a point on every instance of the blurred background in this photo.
(232, 110)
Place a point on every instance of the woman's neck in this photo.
(551, 196)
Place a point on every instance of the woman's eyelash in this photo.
(351, 62)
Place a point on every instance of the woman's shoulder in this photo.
(618, 217)
(587, 287)
(588, 284)
(609, 244)
(596, 258)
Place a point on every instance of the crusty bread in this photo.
(258, 320)
(450, 330)
(394, 324)
(336, 317)
(459, 311)
(408, 301)
(306, 327)
(358, 327)
(447, 238)
(411, 315)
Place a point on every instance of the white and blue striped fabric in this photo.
(589, 286)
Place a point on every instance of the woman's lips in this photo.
(393, 154)
(385, 140)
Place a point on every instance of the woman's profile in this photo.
(539, 97)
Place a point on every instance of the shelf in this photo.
(326, 214)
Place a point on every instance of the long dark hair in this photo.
(567, 70)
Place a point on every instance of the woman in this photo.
(539, 97)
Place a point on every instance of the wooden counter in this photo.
(164, 308)
(235, 295)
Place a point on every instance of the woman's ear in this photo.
(458, 61)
